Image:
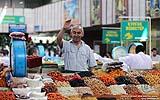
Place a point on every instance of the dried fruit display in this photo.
(146, 89)
(155, 72)
(67, 91)
(124, 80)
(107, 79)
(49, 87)
(72, 77)
(117, 72)
(73, 98)
(88, 98)
(134, 81)
(132, 90)
(62, 84)
(56, 76)
(99, 72)
(55, 96)
(85, 74)
(117, 90)
(84, 91)
(97, 86)
(134, 73)
(77, 83)
(141, 80)
(3, 82)
(7, 95)
(152, 77)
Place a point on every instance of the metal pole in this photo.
(150, 36)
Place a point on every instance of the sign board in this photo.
(134, 30)
(13, 20)
(17, 28)
(110, 36)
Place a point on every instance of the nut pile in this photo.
(152, 77)
(132, 89)
(97, 86)
(133, 73)
(84, 91)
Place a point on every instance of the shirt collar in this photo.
(82, 42)
(140, 53)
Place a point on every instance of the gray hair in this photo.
(77, 27)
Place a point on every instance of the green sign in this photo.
(111, 36)
(13, 20)
(134, 30)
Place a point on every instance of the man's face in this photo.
(154, 52)
(76, 35)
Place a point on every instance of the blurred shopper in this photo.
(33, 51)
(48, 45)
(4, 59)
(78, 56)
(138, 60)
(155, 56)
(41, 49)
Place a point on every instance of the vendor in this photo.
(138, 60)
(78, 56)
(155, 56)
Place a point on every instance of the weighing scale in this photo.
(118, 52)
(18, 54)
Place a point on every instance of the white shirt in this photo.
(137, 61)
(156, 58)
(77, 59)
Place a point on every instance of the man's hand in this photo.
(67, 25)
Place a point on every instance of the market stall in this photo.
(112, 83)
